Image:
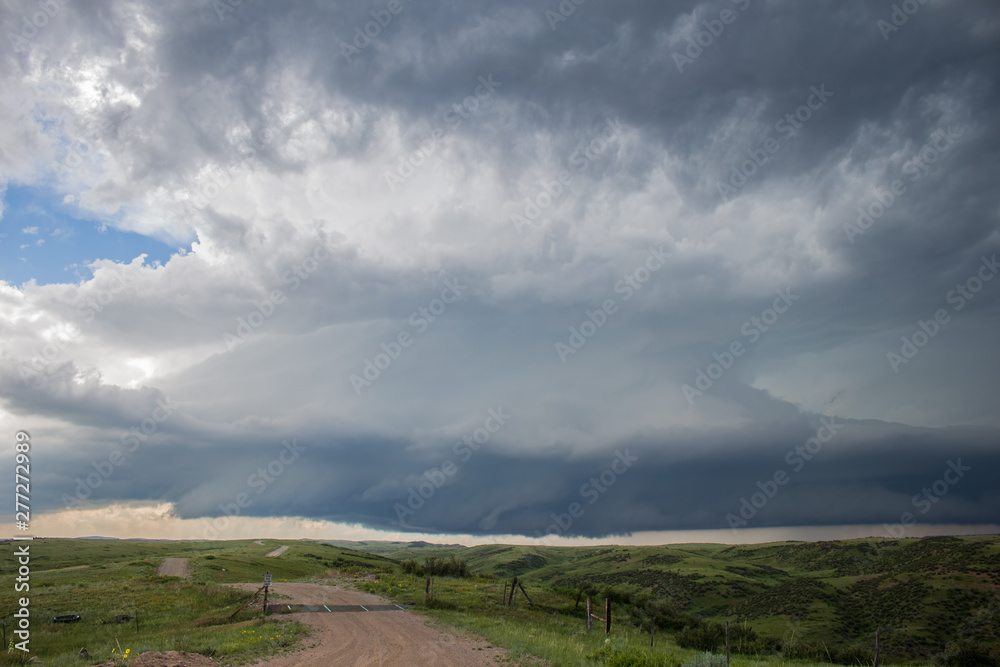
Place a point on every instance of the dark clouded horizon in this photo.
(504, 268)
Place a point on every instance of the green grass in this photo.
(819, 601)
(826, 598)
(105, 580)
(553, 630)
(473, 604)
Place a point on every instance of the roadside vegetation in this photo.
(124, 606)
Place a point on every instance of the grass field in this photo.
(104, 581)
(806, 603)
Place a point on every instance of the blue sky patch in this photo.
(52, 242)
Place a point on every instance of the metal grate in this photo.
(334, 607)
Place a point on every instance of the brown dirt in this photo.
(173, 659)
(277, 552)
(368, 639)
(174, 567)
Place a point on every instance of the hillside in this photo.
(386, 548)
(924, 594)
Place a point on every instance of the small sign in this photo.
(267, 578)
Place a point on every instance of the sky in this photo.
(565, 272)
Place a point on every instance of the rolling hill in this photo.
(923, 594)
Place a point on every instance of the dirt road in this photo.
(277, 552)
(368, 639)
(174, 567)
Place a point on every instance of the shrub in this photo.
(744, 640)
(853, 655)
(625, 594)
(968, 654)
(436, 567)
(711, 636)
(804, 651)
(841, 655)
(632, 657)
(672, 620)
(704, 636)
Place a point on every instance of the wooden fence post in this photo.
(242, 606)
(727, 643)
(526, 597)
(607, 616)
(590, 615)
(652, 629)
(427, 591)
(503, 600)
(878, 636)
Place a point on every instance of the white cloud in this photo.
(256, 145)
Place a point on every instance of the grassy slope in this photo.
(924, 593)
(102, 579)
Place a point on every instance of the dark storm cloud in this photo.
(868, 473)
(916, 107)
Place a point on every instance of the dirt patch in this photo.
(173, 659)
(375, 638)
(277, 552)
(257, 542)
(174, 567)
